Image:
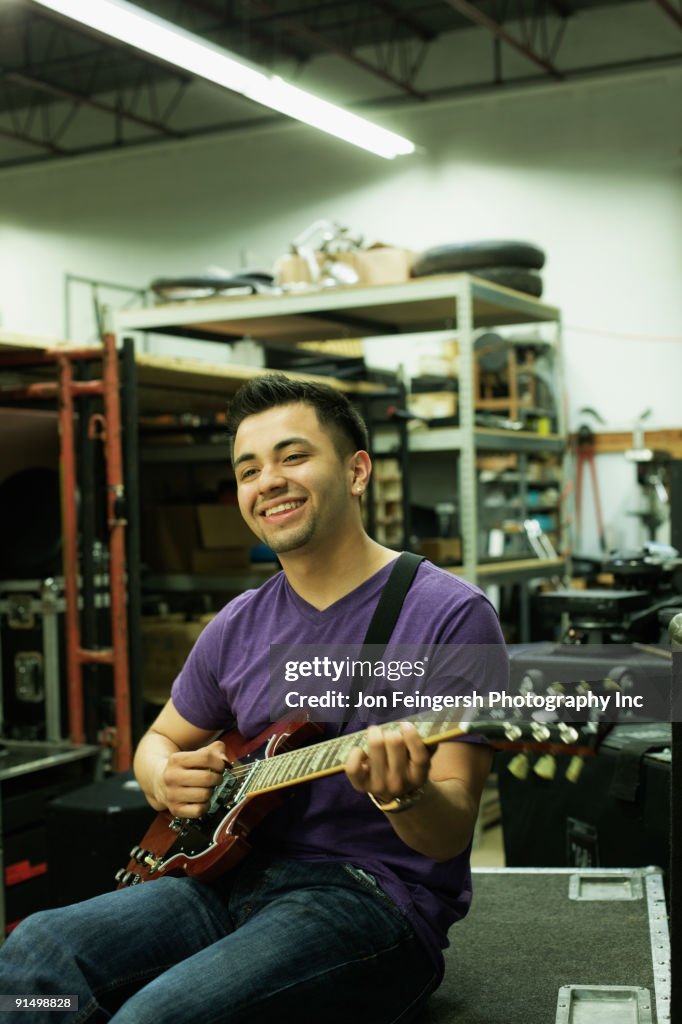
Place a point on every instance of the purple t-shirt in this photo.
(227, 676)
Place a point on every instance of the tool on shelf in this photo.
(585, 457)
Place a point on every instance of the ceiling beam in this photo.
(398, 14)
(468, 10)
(206, 7)
(324, 43)
(671, 11)
(29, 140)
(52, 89)
(562, 9)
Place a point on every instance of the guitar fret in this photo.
(294, 766)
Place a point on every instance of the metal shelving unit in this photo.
(145, 385)
(461, 304)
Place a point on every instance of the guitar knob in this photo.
(519, 766)
(545, 767)
(575, 767)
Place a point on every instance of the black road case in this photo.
(558, 946)
(617, 814)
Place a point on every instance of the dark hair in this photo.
(333, 409)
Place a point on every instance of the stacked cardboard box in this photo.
(166, 640)
(202, 539)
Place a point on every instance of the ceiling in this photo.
(66, 92)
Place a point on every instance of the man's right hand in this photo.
(188, 779)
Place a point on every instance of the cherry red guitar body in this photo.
(208, 846)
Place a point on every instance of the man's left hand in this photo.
(396, 762)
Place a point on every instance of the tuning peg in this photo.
(540, 733)
(532, 681)
(567, 733)
(519, 766)
(545, 767)
(152, 862)
(575, 767)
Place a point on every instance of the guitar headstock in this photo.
(545, 740)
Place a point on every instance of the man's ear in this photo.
(360, 472)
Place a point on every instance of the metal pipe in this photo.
(67, 460)
(49, 389)
(675, 865)
(53, 89)
(104, 656)
(479, 18)
(41, 357)
(131, 463)
(88, 509)
(671, 11)
(117, 523)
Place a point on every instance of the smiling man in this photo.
(343, 907)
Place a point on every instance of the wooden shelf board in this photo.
(333, 313)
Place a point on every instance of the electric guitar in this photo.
(260, 770)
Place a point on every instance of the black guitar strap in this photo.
(387, 611)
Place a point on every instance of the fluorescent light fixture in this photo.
(153, 35)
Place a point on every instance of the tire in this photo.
(449, 259)
(527, 281)
(201, 286)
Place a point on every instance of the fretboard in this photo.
(329, 756)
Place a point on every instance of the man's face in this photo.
(293, 487)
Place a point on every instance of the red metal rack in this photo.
(106, 427)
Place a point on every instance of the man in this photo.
(342, 909)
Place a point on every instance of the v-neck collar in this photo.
(373, 584)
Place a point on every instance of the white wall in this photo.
(588, 171)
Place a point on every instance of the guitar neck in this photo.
(329, 756)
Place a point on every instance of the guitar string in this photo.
(341, 745)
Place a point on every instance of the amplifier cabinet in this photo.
(617, 814)
(105, 819)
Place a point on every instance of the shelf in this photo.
(184, 453)
(423, 304)
(445, 439)
(26, 756)
(172, 384)
(513, 571)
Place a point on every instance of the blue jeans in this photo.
(274, 940)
